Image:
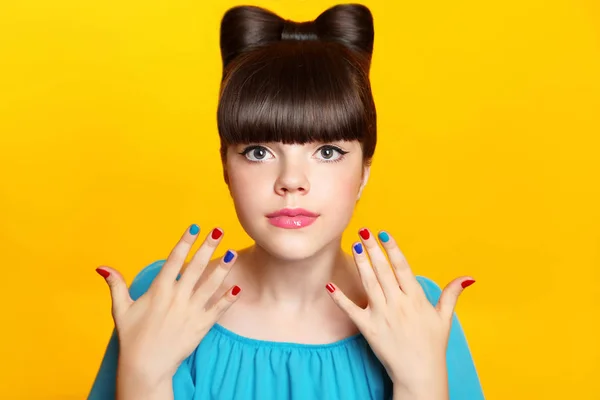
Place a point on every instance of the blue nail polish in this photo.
(358, 248)
(194, 229)
(384, 237)
(228, 256)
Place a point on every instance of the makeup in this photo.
(292, 218)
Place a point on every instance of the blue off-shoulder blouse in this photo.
(227, 366)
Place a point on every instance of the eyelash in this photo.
(327, 146)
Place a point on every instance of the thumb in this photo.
(449, 296)
(118, 290)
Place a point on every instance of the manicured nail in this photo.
(364, 233)
(228, 256)
(330, 287)
(358, 248)
(194, 229)
(216, 233)
(467, 283)
(236, 289)
(104, 273)
(384, 237)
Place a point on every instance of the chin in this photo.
(289, 244)
(290, 248)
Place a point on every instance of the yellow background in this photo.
(487, 165)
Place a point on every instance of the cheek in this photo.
(248, 190)
(339, 189)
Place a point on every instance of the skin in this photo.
(283, 278)
(284, 274)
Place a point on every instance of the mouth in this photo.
(292, 218)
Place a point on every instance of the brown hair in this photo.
(297, 82)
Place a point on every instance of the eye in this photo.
(331, 153)
(256, 153)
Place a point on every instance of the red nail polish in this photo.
(467, 283)
(330, 287)
(216, 233)
(105, 274)
(236, 289)
(364, 233)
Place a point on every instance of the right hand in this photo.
(164, 326)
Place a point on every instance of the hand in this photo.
(406, 333)
(164, 326)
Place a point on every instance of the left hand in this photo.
(405, 331)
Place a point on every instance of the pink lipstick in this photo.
(292, 218)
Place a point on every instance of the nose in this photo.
(292, 178)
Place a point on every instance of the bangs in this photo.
(296, 93)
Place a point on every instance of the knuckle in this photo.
(160, 289)
(211, 243)
(180, 251)
(370, 283)
(222, 305)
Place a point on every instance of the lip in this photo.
(292, 212)
(292, 218)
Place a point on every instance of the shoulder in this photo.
(144, 279)
(432, 290)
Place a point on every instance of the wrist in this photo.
(439, 392)
(137, 384)
(430, 386)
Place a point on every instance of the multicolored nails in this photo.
(104, 273)
(364, 233)
(467, 283)
(194, 229)
(216, 233)
(228, 256)
(330, 287)
(384, 237)
(358, 248)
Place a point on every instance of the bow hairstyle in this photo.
(296, 82)
(244, 28)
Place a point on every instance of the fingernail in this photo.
(194, 229)
(358, 248)
(104, 273)
(236, 289)
(364, 233)
(228, 256)
(467, 283)
(216, 233)
(330, 287)
(384, 237)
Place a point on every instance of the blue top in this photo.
(228, 366)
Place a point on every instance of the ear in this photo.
(365, 178)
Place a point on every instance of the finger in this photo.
(405, 277)
(383, 271)
(199, 261)
(449, 297)
(367, 276)
(353, 311)
(226, 300)
(121, 300)
(208, 288)
(172, 266)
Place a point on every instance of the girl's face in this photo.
(293, 200)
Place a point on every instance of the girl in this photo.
(304, 320)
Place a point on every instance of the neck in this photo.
(295, 284)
